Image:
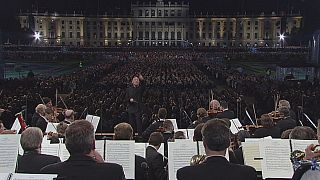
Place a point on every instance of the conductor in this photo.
(134, 97)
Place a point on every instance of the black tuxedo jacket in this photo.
(217, 168)
(157, 164)
(82, 167)
(136, 94)
(274, 132)
(286, 123)
(32, 162)
(226, 114)
(42, 124)
(141, 168)
(34, 119)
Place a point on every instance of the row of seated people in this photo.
(32, 137)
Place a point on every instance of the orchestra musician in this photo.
(68, 116)
(202, 117)
(268, 128)
(3, 130)
(305, 170)
(285, 103)
(45, 116)
(162, 114)
(214, 108)
(216, 140)
(225, 111)
(286, 122)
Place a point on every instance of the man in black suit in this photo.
(32, 160)
(39, 110)
(216, 140)
(226, 113)
(124, 131)
(162, 114)
(43, 120)
(287, 122)
(84, 162)
(134, 99)
(156, 161)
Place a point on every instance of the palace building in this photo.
(161, 24)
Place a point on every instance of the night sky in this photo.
(309, 8)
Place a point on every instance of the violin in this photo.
(214, 111)
(276, 116)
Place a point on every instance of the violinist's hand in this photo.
(310, 153)
(9, 132)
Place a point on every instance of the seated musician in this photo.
(3, 130)
(285, 103)
(225, 111)
(39, 111)
(304, 171)
(268, 128)
(287, 122)
(162, 114)
(202, 117)
(216, 140)
(32, 160)
(44, 119)
(124, 131)
(214, 108)
(303, 133)
(68, 116)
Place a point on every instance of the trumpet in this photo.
(197, 159)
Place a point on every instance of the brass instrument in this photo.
(298, 155)
(197, 159)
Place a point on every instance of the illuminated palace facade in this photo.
(160, 24)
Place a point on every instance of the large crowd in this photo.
(180, 81)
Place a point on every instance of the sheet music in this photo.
(94, 121)
(180, 154)
(201, 148)
(203, 152)
(190, 133)
(50, 149)
(161, 149)
(121, 152)
(302, 144)
(175, 125)
(19, 176)
(235, 126)
(100, 147)
(251, 154)
(140, 149)
(52, 127)
(9, 144)
(16, 126)
(276, 158)
(63, 152)
(4, 176)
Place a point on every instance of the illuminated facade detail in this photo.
(161, 24)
